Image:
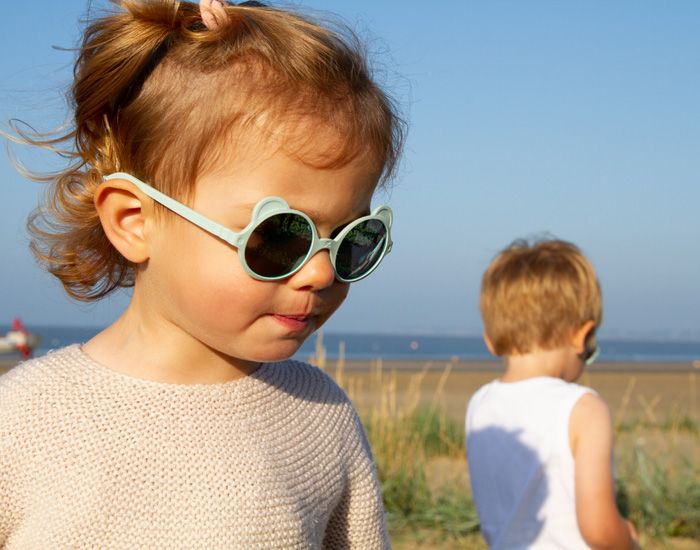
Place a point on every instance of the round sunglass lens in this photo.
(278, 245)
(360, 250)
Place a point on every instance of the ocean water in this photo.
(472, 348)
(419, 347)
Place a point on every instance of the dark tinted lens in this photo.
(278, 245)
(360, 249)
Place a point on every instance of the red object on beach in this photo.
(21, 345)
(18, 326)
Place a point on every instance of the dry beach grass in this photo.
(414, 415)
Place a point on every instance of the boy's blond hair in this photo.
(535, 296)
(160, 96)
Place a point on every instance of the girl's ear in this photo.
(489, 345)
(123, 217)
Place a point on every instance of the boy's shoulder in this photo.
(591, 413)
(543, 397)
(539, 384)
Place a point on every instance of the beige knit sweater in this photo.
(92, 459)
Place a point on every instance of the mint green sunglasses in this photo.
(591, 349)
(278, 241)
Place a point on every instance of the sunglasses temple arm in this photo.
(385, 214)
(218, 230)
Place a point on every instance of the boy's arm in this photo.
(591, 438)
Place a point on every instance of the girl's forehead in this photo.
(337, 192)
(309, 139)
(290, 149)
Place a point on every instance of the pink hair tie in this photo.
(213, 14)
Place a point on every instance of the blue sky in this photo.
(580, 120)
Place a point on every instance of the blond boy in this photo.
(540, 448)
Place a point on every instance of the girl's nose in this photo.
(316, 274)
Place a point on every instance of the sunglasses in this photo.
(591, 350)
(278, 241)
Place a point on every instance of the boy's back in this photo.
(540, 448)
(522, 469)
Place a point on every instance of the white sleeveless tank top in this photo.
(521, 466)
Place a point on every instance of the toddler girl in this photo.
(224, 162)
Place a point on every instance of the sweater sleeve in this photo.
(357, 521)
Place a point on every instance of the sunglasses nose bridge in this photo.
(316, 271)
(323, 244)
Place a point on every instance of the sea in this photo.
(421, 347)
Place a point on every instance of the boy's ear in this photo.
(489, 345)
(122, 215)
(579, 338)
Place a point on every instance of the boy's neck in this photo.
(560, 363)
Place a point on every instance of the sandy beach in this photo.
(634, 391)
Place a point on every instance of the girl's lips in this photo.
(295, 323)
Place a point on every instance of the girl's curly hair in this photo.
(159, 95)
